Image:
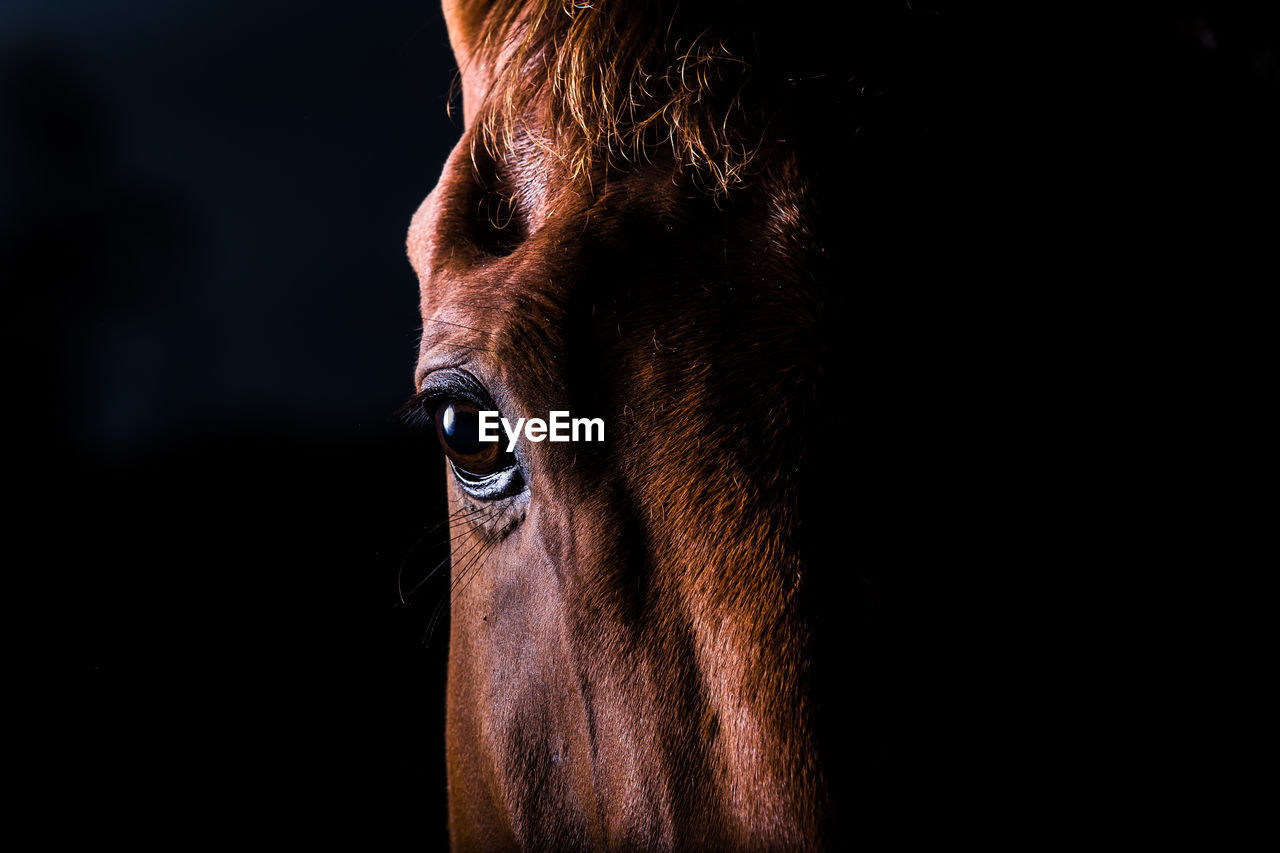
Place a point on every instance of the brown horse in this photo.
(649, 220)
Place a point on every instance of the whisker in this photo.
(461, 514)
(468, 570)
(442, 564)
(461, 346)
(474, 569)
(456, 325)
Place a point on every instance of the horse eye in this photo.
(458, 428)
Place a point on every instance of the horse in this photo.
(675, 218)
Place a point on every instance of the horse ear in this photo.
(464, 19)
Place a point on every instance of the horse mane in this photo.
(610, 83)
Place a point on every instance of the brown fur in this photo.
(629, 651)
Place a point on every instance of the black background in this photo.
(209, 323)
(209, 326)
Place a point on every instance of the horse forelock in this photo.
(607, 83)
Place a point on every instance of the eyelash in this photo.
(417, 412)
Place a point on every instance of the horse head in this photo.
(635, 227)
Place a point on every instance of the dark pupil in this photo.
(460, 429)
(458, 425)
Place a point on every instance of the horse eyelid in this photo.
(451, 381)
(439, 385)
